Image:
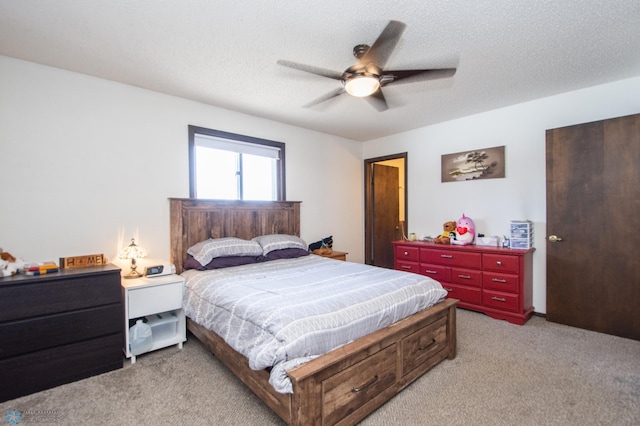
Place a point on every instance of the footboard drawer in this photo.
(418, 347)
(344, 392)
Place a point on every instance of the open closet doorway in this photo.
(385, 199)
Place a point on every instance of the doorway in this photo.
(385, 207)
(593, 205)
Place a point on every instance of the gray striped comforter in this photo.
(283, 313)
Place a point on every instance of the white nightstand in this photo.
(159, 300)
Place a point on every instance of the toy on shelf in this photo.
(447, 235)
(9, 264)
(465, 231)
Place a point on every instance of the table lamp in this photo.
(133, 252)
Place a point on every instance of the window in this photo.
(227, 166)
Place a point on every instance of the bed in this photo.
(344, 385)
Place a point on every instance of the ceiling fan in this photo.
(366, 78)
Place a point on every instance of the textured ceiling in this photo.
(224, 53)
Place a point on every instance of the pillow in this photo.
(206, 250)
(219, 262)
(288, 253)
(273, 242)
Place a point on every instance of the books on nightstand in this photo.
(40, 268)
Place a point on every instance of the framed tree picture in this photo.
(486, 163)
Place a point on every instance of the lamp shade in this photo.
(133, 252)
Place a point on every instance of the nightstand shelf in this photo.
(159, 301)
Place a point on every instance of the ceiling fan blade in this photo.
(377, 100)
(336, 92)
(311, 69)
(382, 48)
(412, 76)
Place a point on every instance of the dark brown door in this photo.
(593, 226)
(385, 214)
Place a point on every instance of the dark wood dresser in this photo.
(494, 280)
(59, 328)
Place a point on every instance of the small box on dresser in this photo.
(521, 234)
(58, 328)
(494, 280)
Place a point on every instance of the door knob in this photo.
(554, 238)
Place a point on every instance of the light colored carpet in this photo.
(538, 374)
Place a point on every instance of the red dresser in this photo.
(493, 280)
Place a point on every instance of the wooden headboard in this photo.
(194, 220)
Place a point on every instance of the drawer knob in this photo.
(499, 263)
(498, 280)
(406, 253)
(466, 277)
(429, 271)
(446, 256)
(369, 383)
(499, 299)
(405, 267)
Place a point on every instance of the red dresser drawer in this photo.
(466, 277)
(437, 272)
(463, 293)
(500, 300)
(407, 253)
(408, 266)
(500, 282)
(500, 263)
(452, 258)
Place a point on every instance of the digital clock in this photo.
(159, 270)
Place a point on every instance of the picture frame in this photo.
(475, 164)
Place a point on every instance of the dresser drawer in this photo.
(500, 282)
(418, 347)
(48, 296)
(500, 300)
(55, 366)
(437, 272)
(151, 300)
(407, 253)
(464, 293)
(408, 266)
(50, 331)
(466, 277)
(452, 258)
(351, 388)
(500, 263)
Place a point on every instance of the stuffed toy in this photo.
(447, 235)
(324, 248)
(465, 231)
(326, 242)
(9, 265)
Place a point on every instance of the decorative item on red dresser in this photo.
(493, 280)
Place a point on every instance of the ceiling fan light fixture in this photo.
(361, 86)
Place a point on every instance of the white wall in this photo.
(493, 203)
(88, 163)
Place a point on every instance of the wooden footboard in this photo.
(348, 383)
